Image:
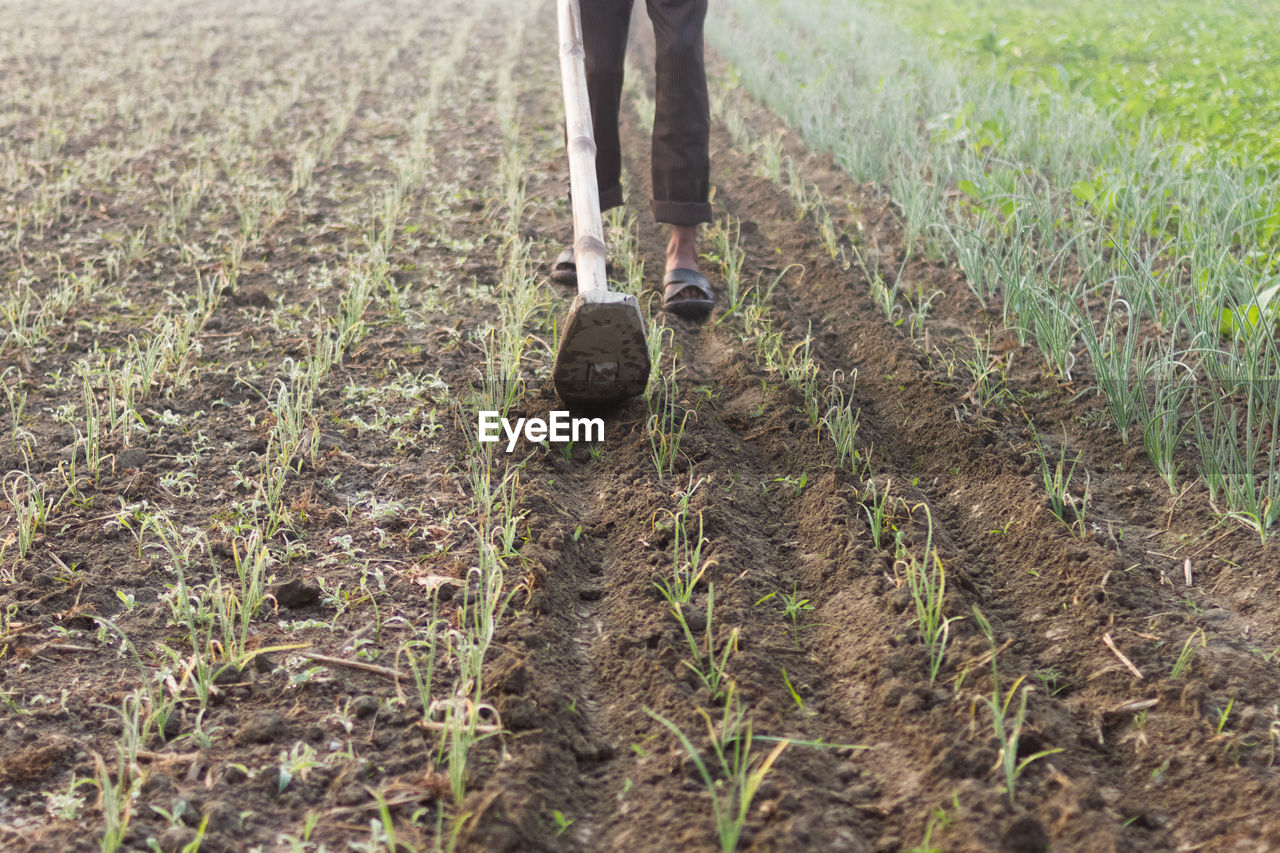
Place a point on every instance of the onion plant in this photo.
(731, 744)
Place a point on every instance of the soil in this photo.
(588, 652)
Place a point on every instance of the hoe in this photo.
(603, 356)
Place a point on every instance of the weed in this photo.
(796, 484)
(792, 606)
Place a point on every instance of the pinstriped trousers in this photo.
(681, 163)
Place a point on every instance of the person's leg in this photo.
(604, 38)
(681, 127)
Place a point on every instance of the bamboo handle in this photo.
(588, 230)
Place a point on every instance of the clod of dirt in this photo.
(253, 297)
(365, 707)
(894, 691)
(222, 817)
(899, 600)
(172, 726)
(352, 795)
(176, 838)
(1025, 835)
(229, 674)
(134, 457)
(515, 680)
(695, 617)
(520, 715)
(296, 593)
(30, 763)
(159, 787)
(263, 727)
(234, 775)
(190, 805)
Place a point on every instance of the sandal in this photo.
(564, 271)
(688, 294)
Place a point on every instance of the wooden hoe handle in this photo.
(588, 230)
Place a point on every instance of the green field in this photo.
(1208, 72)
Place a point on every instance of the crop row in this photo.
(1097, 246)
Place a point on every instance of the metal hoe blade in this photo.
(603, 356)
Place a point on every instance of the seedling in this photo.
(841, 423)
(709, 663)
(1057, 485)
(986, 372)
(687, 564)
(1183, 664)
(928, 586)
(562, 823)
(795, 694)
(876, 505)
(666, 424)
(30, 508)
(742, 771)
(725, 252)
(1007, 729)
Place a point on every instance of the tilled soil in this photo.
(588, 652)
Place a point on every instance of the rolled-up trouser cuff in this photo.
(682, 212)
(610, 197)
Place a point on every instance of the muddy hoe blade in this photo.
(603, 356)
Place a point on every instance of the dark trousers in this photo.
(682, 120)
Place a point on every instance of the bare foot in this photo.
(682, 249)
